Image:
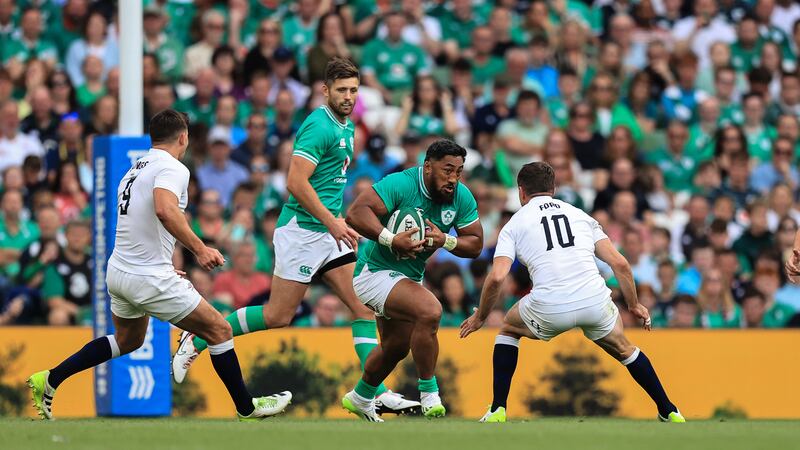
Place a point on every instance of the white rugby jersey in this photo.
(556, 242)
(143, 246)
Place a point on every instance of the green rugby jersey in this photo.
(328, 143)
(406, 189)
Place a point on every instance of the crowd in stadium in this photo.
(673, 122)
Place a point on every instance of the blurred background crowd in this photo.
(673, 122)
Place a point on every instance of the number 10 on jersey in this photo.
(559, 221)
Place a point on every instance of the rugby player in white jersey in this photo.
(142, 281)
(557, 243)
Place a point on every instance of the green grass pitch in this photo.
(286, 433)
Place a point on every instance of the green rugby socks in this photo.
(243, 321)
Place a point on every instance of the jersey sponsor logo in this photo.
(305, 270)
(447, 216)
(342, 143)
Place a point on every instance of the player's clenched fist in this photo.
(210, 258)
(405, 246)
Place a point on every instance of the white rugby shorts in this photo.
(597, 319)
(167, 297)
(301, 253)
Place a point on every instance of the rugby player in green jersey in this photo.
(312, 239)
(388, 276)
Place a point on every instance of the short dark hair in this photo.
(528, 95)
(167, 125)
(537, 177)
(339, 68)
(751, 292)
(444, 147)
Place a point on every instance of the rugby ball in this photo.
(405, 219)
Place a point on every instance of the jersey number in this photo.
(559, 234)
(126, 198)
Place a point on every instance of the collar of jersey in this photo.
(422, 184)
(540, 197)
(333, 118)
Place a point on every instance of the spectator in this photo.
(520, 139)
(373, 163)
(455, 301)
(667, 275)
(256, 142)
(677, 167)
(540, 72)
(62, 92)
(256, 102)
(29, 44)
(428, 111)
(200, 107)
(42, 122)
(696, 229)
(701, 135)
(787, 102)
(728, 141)
(160, 97)
(95, 42)
(759, 136)
(14, 144)
(104, 116)
(753, 309)
(767, 279)
(283, 66)
(485, 65)
(701, 261)
(39, 254)
(745, 52)
(284, 126)
(391, 64)
(587, 143)
(223, 62)
(757, 237)
(488, 117)
(67, 281)
(727, 88)
(326, 312)
(681, 99)
(93, 86)
(300, 29)
(71, 200)
(699, 31)
(166, 48)
(717, 308)
(331, 42)
(241, 281)
(203, 283)
(198, 56)
(645, 269)
(737, 185)
(219, 171)
(780, 170)
(267, 41)
(70, 146)
(209, 221)
(16, 232)
(684, 313)
(622, 178)
(225, 121)
(609, 113)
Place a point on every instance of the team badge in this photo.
(447, 216)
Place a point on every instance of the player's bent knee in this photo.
(279, 321)
(430, 314)
(128, 343)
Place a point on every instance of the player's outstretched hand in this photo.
(473, 323)
(640, 312)
(210, 258)
(434, 238)
(405, 246)
(342, 232)
(793, 266)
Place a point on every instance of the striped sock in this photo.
(365, 338)
(243, 321)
